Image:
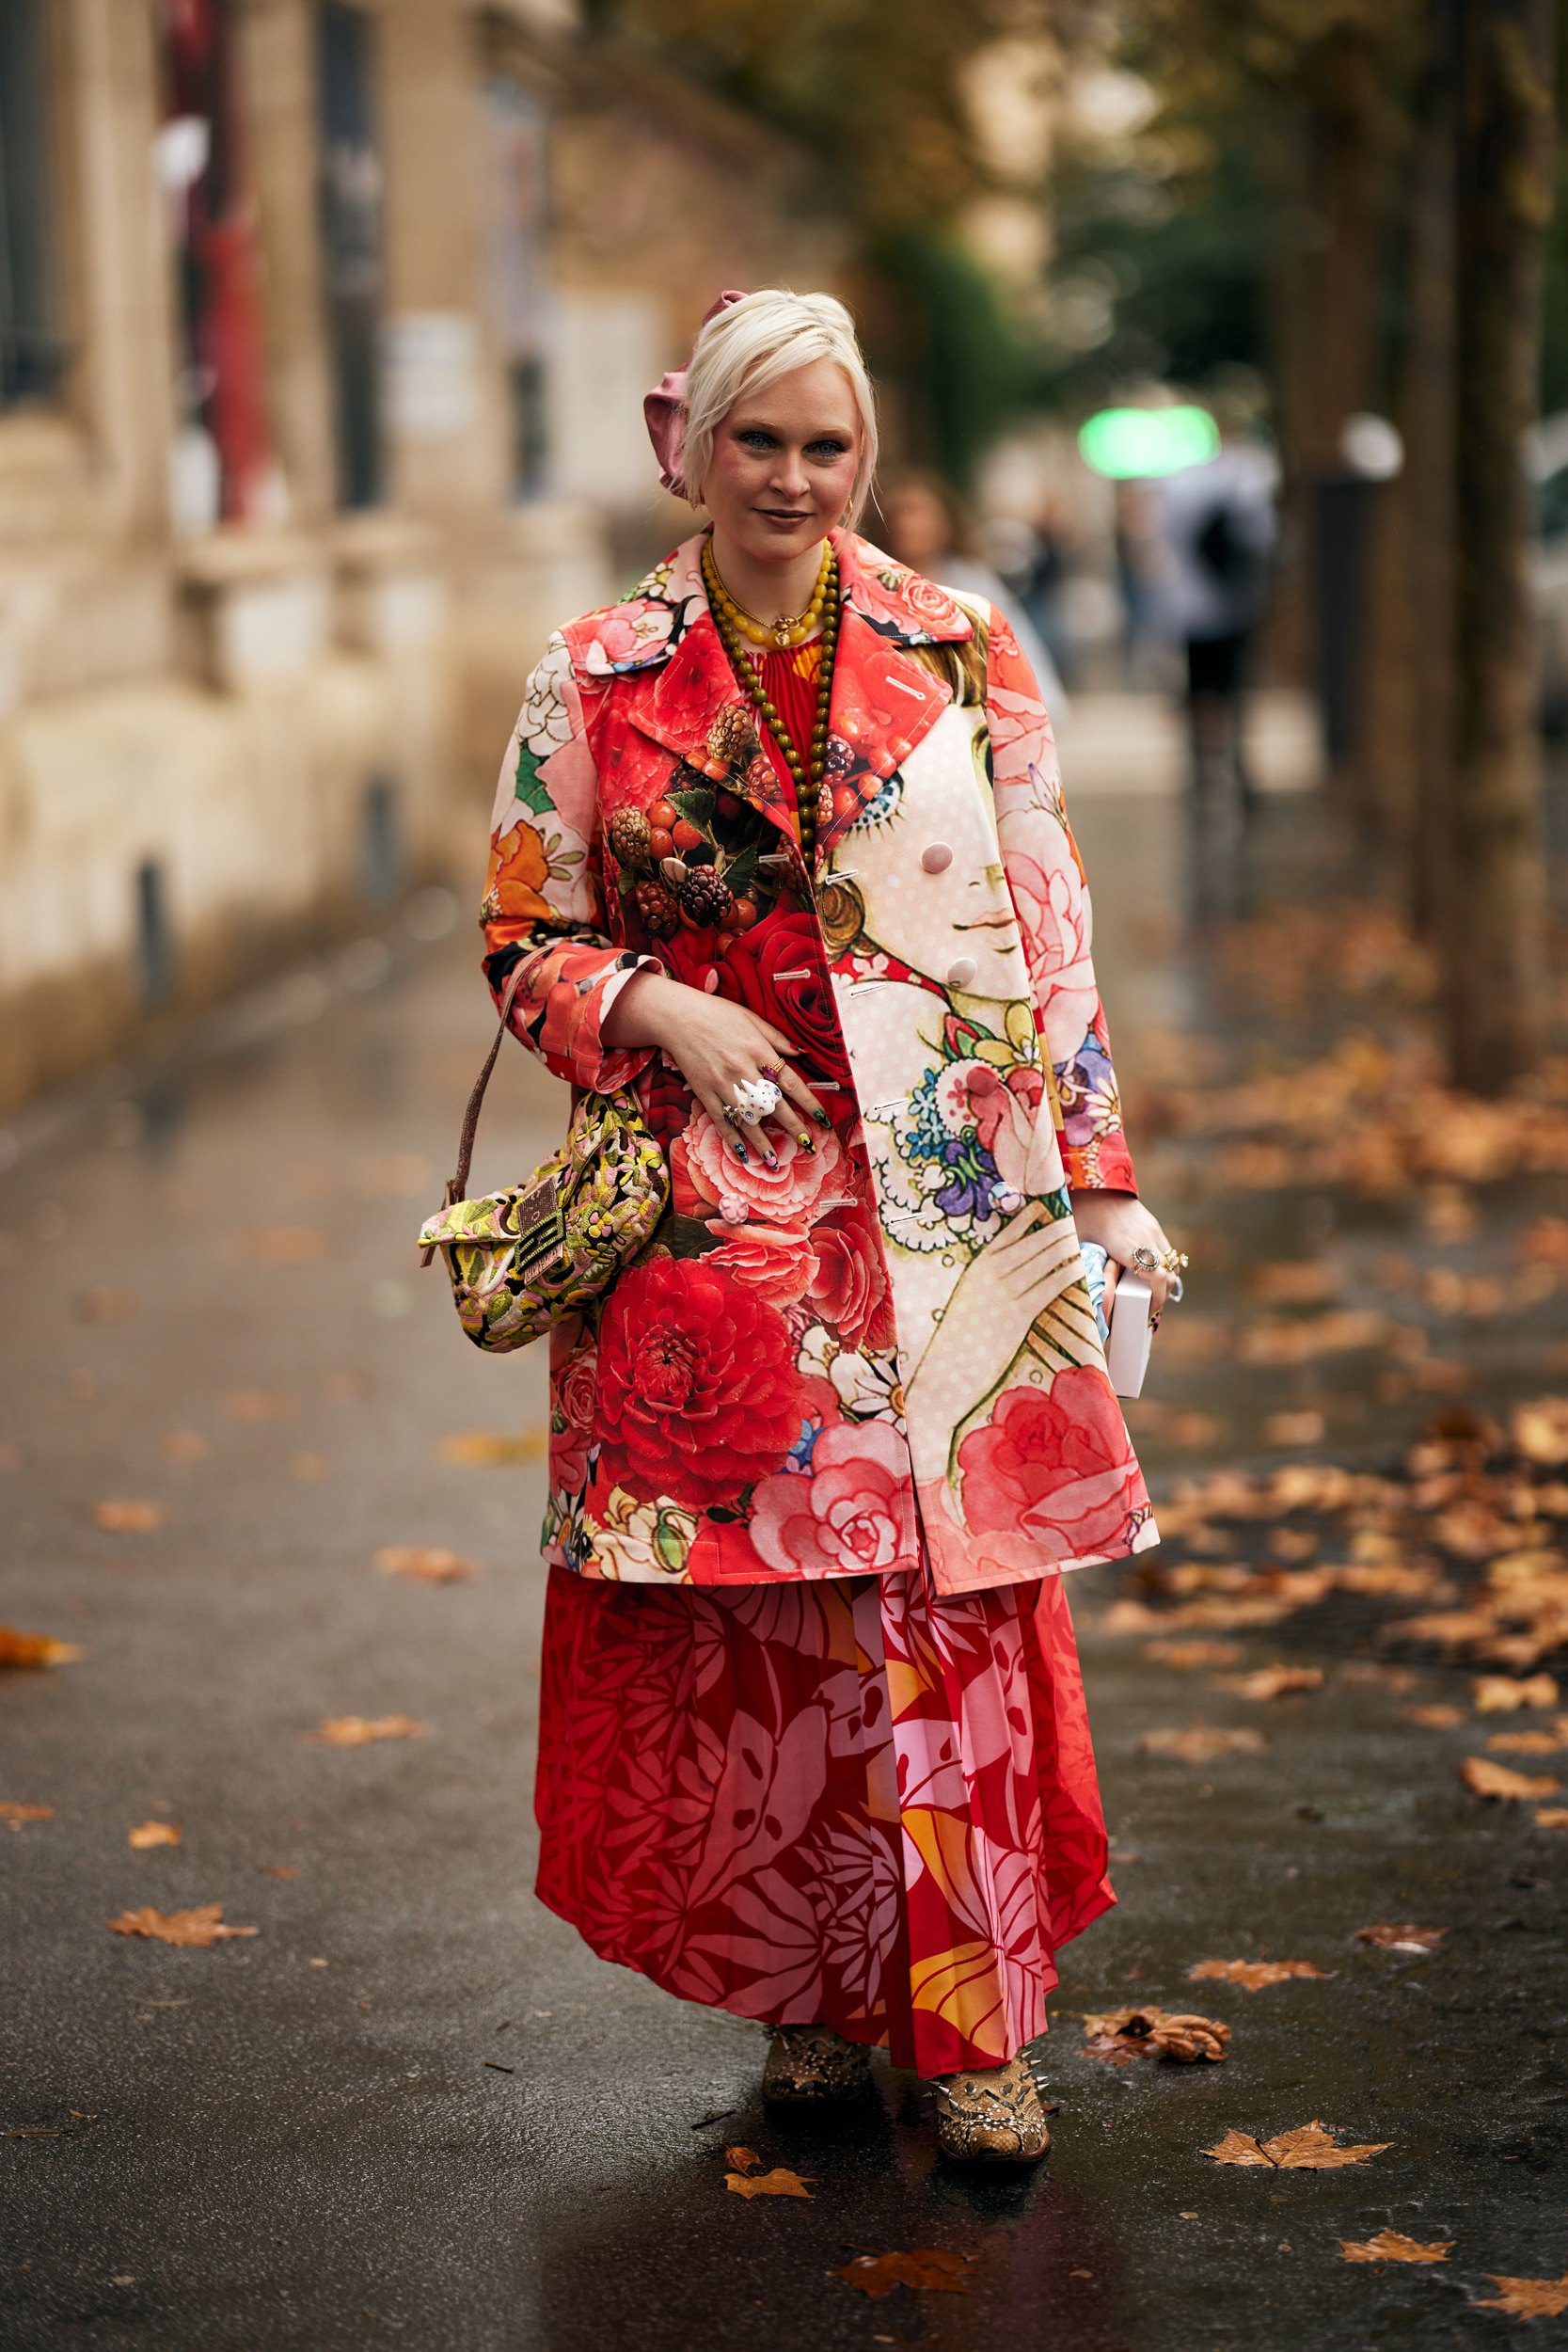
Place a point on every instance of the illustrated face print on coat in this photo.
(950, 920)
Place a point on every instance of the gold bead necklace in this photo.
(789, 629)
(807, 773)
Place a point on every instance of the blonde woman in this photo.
(814, 1746)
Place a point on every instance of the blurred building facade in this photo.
(323, 331)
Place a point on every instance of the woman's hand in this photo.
(996, 1303)
(717, 1046)
(1120, 1224)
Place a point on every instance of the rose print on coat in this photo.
(1049, 1465)
(852, 1515)
(698, 1393)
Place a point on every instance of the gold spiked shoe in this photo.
(994, 2116)
(808, 2065)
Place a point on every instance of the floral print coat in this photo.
(833, 1368)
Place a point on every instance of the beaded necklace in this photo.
(806, 773)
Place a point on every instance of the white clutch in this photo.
(1132, 1336)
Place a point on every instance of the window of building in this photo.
(352, 241)
(224, 467)
(517, 224)
(32, 356)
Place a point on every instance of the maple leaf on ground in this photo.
(201, 1926)
(743, 2159)
(1186, 1655)
(1502, 1694)
(1202, 1742)
(929, 2267)
(1310, 2148)
(124, 1517)
(356, 1731)
(1254, 1974)
(1526, 2299)
(1434, 1718)
(775, 2184)
(148, 1834)
(13, 1814)
(1552, 1817)
(1272, 1682)
(425, 1564)
(1120, 2035)
(1392, 1939)
(1389, 2246)
(1487, 1779)
(36, 1649)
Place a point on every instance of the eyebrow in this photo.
(821, 433)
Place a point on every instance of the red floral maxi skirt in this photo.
(838, 1801)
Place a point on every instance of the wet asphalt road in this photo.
(295, 2139)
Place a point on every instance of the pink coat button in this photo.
(937, 858)
(961, 973)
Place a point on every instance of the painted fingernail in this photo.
(739, 1151)
(772, 1159)
(806, 1144)
(821, 1118)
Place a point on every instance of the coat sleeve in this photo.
(545, 892)
(1045, 876)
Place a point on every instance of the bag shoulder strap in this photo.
(458, 1188)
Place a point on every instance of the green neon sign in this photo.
(1127, 443)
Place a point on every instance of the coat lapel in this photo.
(684, 695)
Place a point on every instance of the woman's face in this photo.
(784, 463)
(933, 922)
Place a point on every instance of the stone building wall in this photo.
(223, 741)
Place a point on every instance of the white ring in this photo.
(756, 1100)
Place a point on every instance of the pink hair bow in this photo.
(664, 408)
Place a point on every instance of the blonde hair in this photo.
(752, 344)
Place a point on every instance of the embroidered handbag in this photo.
(527, 1258)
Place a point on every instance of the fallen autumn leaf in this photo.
(1434, 1718)
(1501, 1695)
(1310, 2148)
(929, 2267)
(1391, 2247)
(1526, 2299)
(123, 1517)
(200, 1927)
(1392, 1939)
(1487, 1779)
(743, 2159)
(1272, 1682)
(1118, 2036)
(1552, 1817)
(148, 1834)
(1202, 1742)
(36, 1649)
(775, 2184)
(424, 1564)
(13, 1814)
(358, 1731)
(480, 1449)
(1254, 1974)
(1183, 1656)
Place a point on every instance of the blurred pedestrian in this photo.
(1217, 524)
(778, 845)
(929, 527)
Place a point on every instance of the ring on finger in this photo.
(732, 1117)
(759, 1098)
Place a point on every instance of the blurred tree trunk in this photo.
(1410, 716)
(1329, 297)
(1491, 946)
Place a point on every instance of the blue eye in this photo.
(884, 808)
